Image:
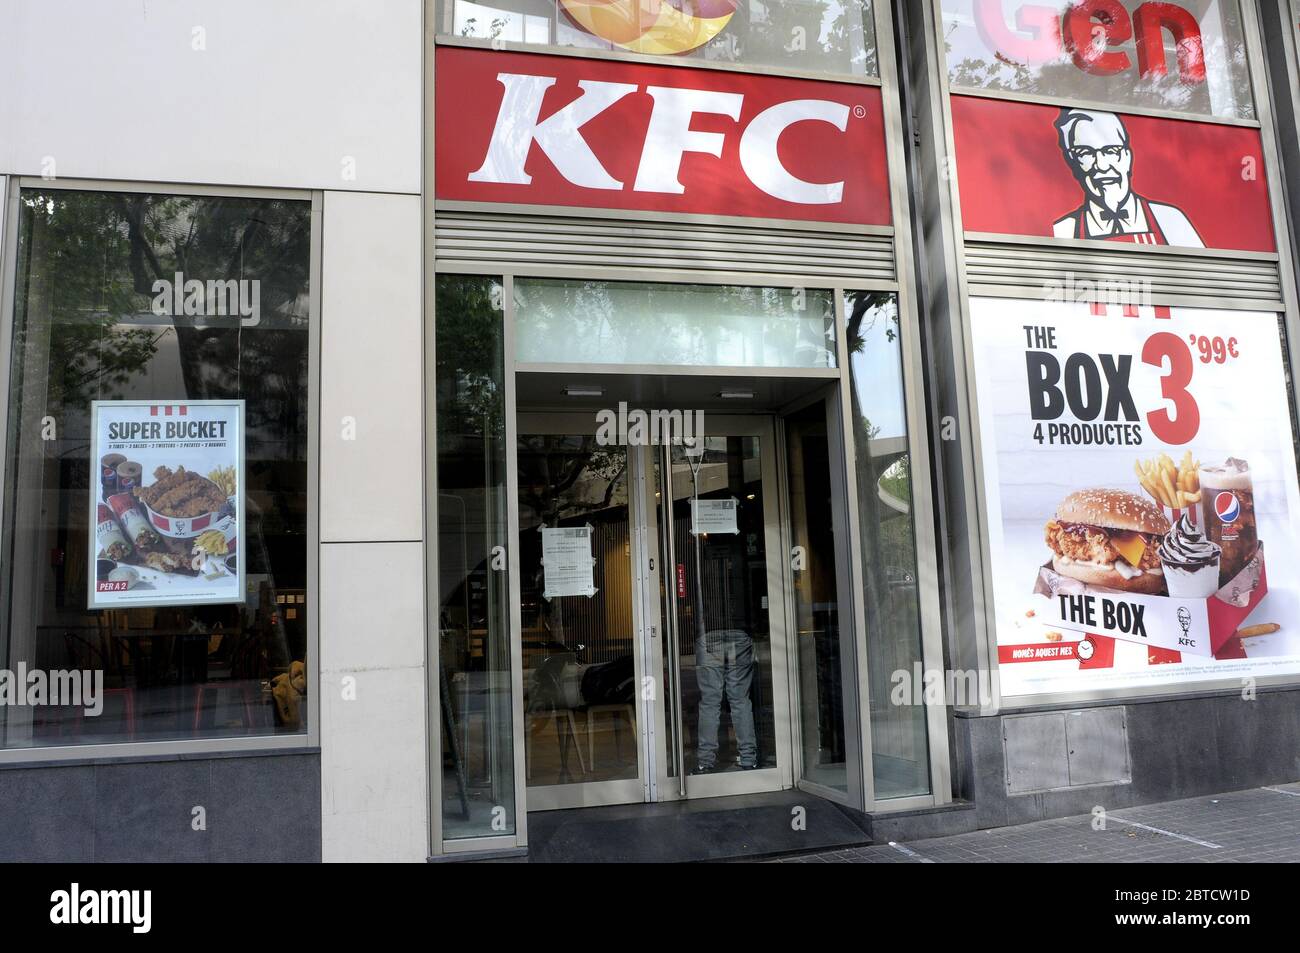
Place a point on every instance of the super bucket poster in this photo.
(166, 503)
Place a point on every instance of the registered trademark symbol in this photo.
(860, 111)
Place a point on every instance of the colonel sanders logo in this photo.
(1096, 148)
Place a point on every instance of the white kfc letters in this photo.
(758, 156)
(670, 134)
(668, 137)
(559, 137)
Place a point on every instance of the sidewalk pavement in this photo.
(1256, 825)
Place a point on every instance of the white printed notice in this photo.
(567, 563)
(168, 504)
(714, 516)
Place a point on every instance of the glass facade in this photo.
(580, 716)
(605, 322)
(890, 594)
(124, 568)
(474, 652)
(832, 37)
(1184, 57)
(824, 653)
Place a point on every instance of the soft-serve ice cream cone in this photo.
(1190, 561)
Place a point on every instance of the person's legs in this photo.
(709, 678)
(739, 676)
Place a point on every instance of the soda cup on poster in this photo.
(108, 483)
(129, 475)
(1228, 514)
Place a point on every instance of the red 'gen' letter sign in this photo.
(1149, 21)
(1091, 32)
(1090, 28)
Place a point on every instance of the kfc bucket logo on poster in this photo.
(652, 26)
(1096, 147)
(546, 130)
(1089, 33)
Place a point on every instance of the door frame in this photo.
(780, 777)
(842, 489)
(655, 703)
(580, 793)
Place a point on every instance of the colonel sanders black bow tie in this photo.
(1113, 219)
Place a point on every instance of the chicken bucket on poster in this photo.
(1141, 499)
(166, 503)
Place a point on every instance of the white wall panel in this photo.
(371, 396)
(374, 786)
(281, 94)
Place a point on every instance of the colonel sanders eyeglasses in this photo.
(1086, 157)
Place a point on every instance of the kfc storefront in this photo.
(679, 420)
(643, 429)
(1114, 307)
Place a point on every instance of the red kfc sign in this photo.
(1071, 172)
(547, 130)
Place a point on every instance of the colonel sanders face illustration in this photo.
(1097, 150)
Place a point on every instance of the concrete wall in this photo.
(322, 94)
(256, 808)
(375, 800)
(1177, 748)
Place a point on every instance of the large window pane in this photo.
(162, 300)
(478, 793)
(1187, 57)
(602, 322)
(817, 36)
(890, 597)
(583, 641)
(817, 634)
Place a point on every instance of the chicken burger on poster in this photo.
(1108, 538)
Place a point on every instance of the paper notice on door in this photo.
(567, 562)
(714, 516)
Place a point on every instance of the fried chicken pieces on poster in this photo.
(181, 493)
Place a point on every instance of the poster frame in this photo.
(93, 602)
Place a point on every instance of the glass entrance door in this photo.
(722, 598)
(652, 622)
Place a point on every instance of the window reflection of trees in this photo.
(724, 325)
(891, 598)
(1226, 91)
(86, 328)
(821, 36)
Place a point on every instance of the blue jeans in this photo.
(724, 661)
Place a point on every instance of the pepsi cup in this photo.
(1228, 515)
(108, 485)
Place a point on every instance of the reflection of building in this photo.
(755, 243)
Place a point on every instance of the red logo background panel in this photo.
(467, 99)
(1015, 181)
